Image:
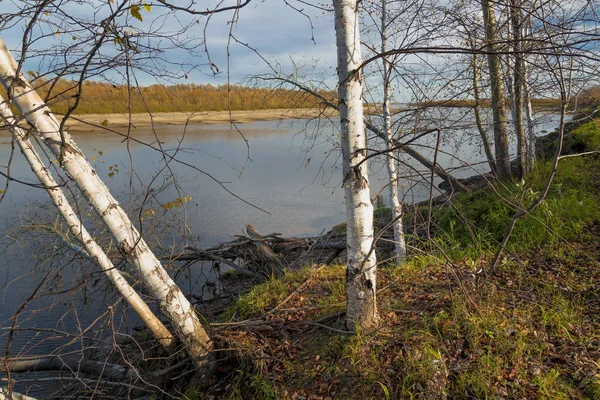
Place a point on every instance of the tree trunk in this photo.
(96, 368)
(497, 91)
(515, 14)
(530, 120)
(361, 306)
(396, 206)
(78, 230)
(487, 147)
(529, 115)
(171, 299)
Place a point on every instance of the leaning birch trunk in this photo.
(361, 306)
(171, 299)
(78, 230)
(497, 90)
(399, 243)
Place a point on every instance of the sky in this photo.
(282, 35)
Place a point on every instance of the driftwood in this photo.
(96, 368)
(265, 256)
(266, 251)
(15, 396)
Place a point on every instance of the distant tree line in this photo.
(107, 98)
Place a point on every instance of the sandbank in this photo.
(120, 122)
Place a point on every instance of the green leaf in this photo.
(135, 12)
(147, 7)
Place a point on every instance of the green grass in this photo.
(480, 218)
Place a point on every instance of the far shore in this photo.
(120, 122)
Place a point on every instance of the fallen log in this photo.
(14, 396)
(96, 368)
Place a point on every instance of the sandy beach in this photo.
(120, 122)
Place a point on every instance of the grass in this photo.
(529, 330)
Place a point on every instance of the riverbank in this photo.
(164, 121)
(450, 327)
(526, 330)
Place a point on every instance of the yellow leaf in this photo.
(104, 122)
(58, 32)
(147, 7)
(1, 191)
(100, 152)
(111, 174)
(94, 159)
(135, 12)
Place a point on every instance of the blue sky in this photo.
(273, 28)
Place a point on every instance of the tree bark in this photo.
(171, 299)
(530, 121)
(76, 227)
(361, 306)
(497, 91)
(516, 19)
(529, 115)
(394, 194)
(487, 147)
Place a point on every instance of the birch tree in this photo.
(497, 91)
(94, 251)
(518, 86)
(171, 299)
(361, 307)
(396, 206)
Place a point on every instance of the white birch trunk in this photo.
(171, 300)
(396, 206)
(361, 306)
(76, 227)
